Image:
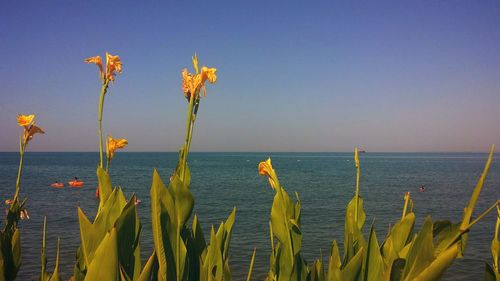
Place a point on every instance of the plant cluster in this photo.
(110, 249)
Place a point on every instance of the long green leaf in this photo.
(105, 265)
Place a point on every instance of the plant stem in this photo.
(357, 194)
(481, 216)
(249, 275)
(104, 89)
(356, 163)
(189, 116)
(22, 147)
(407, 198)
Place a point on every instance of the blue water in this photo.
(325, 182)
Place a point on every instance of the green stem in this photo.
(191, 132)
(495, 239)
(481, 216)
(249, 275)
(407, 198)
(44, 258)
(22, 147)
(104, 89)
(357, 194)
(189, 116)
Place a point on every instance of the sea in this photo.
(325, 183)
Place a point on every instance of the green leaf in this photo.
(183, 200)
(446, 234)
(352, 269)
(55, 275)
(160, 219)
(373, 266)
(398, 265)
(353, 237)
(91, 234)
(472, 202)
(351, 211)
(128, 231)
(105, 265)
(104, 185)
(228, 225)
(16, 250)
(489, 273)
(421, 253)
(2, 261)
(439, 265)
(150, 270)
(397, 238)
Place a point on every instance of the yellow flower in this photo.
(25, 120)
(113, 66)
(266, 169)
(98, 61)
(114, 144)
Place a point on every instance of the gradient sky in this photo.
(300, 76)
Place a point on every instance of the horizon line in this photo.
(171, 151)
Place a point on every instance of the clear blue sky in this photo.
(292, 76)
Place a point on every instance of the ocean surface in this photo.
(325, 182)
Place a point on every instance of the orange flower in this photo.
(191, 83)
(112, 145)
(266, 169)
(113, 66)
(98, 61)
(25, 120)
(208, 74)
(9, 202)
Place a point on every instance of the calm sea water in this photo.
(325, 182)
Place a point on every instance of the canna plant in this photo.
(10, 236)
(401, 256)
(110, 244)
(181, 252)
(286, 262)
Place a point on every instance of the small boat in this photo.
(57, 185)
(75, 183)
